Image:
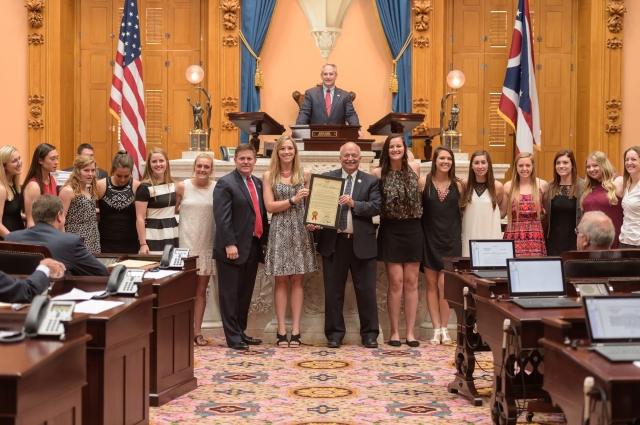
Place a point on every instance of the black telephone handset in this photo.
(44, 319)
(173, 257)
(166, 256)
(117, 275)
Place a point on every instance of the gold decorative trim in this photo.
(227, 112)
(614, 104)
(36, 111)
(420, 102)
(35, 16)
(226, 125)
(616, 10)
(421, 128)
(230, 17)
(229, 41)
(613, 116)
(36, 99)
(422, 9)
(421, 42)
(229, 101)
(36, 124)
(613, 128)
(614, 43)
(36, 38)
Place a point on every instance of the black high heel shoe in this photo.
(281, 339)
(295, 341)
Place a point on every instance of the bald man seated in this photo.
(595, 232)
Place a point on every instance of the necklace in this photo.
(286, 174)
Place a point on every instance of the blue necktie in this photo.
(345, 208)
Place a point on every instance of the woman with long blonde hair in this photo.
(78, 196)
(10, 197)
(603, 190)
(630, 230)
(290, 251)
(524, 206)
(156, 205)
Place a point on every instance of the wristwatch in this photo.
(291, 201)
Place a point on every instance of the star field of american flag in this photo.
(130, 33)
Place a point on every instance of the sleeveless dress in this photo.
(11, 218)
(597, 201)
(48, 189)
(197, 225)
(82, 220)
(400, 237)
(290, 248)
(118, 219)
(441, 225)
(480, 220)
(630, 230)
(526, 231)
(161, 224)
(562, 223)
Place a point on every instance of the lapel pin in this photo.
(359, 181)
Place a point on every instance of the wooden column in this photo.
(421, 65)
(612, 113)
(36, 109)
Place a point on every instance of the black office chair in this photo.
(21, 258)
(621, 267)
(224, 153)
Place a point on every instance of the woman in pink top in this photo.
(39, 179)
(602, 190)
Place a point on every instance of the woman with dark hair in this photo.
(442, 228)
(156, 205)
(561, 202)
(78, 196)
(482, 199)
(116, 199)
(10, 199)
(400, 242)
(630, 230)
(39, 180)
(290, 253)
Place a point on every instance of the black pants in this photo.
(235, 289)
(363, 272)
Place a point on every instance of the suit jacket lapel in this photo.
(243, 187)
(320, 97)
(357, 186)
(335, 100)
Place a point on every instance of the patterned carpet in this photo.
(315, 385)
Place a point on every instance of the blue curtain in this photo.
(395, 16)
(256, 17)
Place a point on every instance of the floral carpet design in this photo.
(312, 385)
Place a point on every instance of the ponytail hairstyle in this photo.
(122, 160)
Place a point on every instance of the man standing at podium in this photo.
(328, 104)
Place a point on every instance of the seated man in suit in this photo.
(595, 232)
(69, 249)
(327, 104)
(87, 149)
(23, 290)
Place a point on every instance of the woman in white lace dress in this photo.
(196, 230)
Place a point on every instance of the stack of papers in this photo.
(96, 306)
(77, 295)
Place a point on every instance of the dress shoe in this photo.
(395, 343)
(240, 345)
(415, 343)
(370, 343)
(332, 343)
(251, 341)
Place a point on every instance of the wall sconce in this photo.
(199, 137)
(451, 137)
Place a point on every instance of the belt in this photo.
(345, 235)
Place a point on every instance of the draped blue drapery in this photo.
(256, 17)
(395, 16)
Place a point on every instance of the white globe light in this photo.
(455, 79)
(195, 74)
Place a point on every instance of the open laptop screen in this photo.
(530, 277)
(490, 254)
(613, 319)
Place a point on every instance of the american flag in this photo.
(519, 100)
(127, 93)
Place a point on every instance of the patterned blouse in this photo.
(400, 199)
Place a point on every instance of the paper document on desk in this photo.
(134, 264)
(96, 306)
(77, 295)
(160, 274)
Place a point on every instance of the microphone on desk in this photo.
(588, 386)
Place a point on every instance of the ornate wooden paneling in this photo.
(424, 73)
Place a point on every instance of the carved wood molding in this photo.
(36, 124)
(614, 104)
(422, 9)
(227, 125)
(36, 112)
(229, 41)
(36, 38)
(35, 17)
(230, 17)
(613, 128)
(229, 101)
(420, 102)
(614, 43)
(421, 128)
(36, 99)
(616, 10)
(613, 116)
(421, 42)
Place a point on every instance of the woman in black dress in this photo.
(442, 229)
(116, 195)
(561, 201)
(10, 199)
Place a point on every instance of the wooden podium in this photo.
(329, 137)
(256, 123)
(395, 122)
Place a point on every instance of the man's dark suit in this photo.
(358, 254)
(67, 248)
(235, 218)
(314, 111)
(23, 290)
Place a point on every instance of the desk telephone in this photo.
(173, 257)
(44, 319)
(122, 281)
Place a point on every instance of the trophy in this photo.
(199, 136)
(451, 137)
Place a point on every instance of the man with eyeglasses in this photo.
(595, 232)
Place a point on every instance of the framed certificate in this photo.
(322, 203)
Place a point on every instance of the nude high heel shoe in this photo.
(446, 339)
(437, 336)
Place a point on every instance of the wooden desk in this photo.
(172, 372)
(565, 371)
(41, 379)
(117, 361)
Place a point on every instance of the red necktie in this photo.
(257, 227)
(327, 102)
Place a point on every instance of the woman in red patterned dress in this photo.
(524, 201)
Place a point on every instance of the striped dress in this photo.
(161, 224)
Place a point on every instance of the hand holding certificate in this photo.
(322, 206)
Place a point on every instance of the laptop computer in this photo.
(613, 324)
(489, 257)
(538, 283)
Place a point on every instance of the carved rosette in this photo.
(616, 10)
(230, 17)
(229, 101)
(36, 124)
(613, 128)
(325, 40)
(421, 42)
(35, 16)
(36, 99)
(229, 41)
(421, 128)
(614, 104)
(227, 125)
(36, 38)
(613, 116)
(614, 43)
(422, 10)
(36, 112)
(420, 103)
